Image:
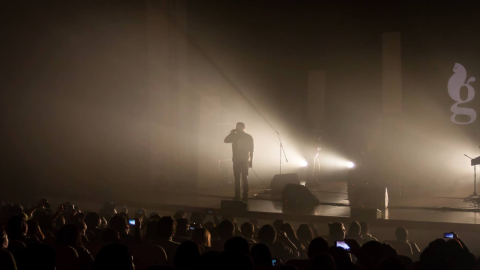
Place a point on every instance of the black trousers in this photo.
(240, 170)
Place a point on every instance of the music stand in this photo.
(474, 198)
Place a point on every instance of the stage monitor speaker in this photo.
(279, 181)
(298, 195)
(363, 214)
(233, 207)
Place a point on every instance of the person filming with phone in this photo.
(242, 148)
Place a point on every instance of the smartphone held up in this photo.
(449, 235)
(342, 244)
(131, 221)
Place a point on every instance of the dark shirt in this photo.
(357, 238)
(180, 239)
(331, 240)
(94, 234)
(127, 239)
(251, 243)
(242, 146)
(218, 245)
(282, 252)
(249, 240)
(169, 246)
(28, 241)
(85, 258)
(7, 259)
(368, 237)
(205, 249)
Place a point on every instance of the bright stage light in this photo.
(350, 165)
(303, 163)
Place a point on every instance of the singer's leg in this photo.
(245, 181)
(236, 174)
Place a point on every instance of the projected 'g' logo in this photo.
(456, 82)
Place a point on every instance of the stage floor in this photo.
(334, 203)
(333, 197)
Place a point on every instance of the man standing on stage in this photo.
(242, 148)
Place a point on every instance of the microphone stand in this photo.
(281, 150)
(474, 197)
(316, 161)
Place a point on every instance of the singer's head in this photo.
(240, 126)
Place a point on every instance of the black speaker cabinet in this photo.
(298, 195)
(279, 182)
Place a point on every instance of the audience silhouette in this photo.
(40, 238)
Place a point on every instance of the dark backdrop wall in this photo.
(73, 95)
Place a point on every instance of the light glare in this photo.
(350, 165)
(304, 163)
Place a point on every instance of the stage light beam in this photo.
(350, 165)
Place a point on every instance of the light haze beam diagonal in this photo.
(217, 67)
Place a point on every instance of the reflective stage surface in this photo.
(335, 204)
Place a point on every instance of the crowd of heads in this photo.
(67, 238)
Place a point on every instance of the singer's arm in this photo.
(230, 137)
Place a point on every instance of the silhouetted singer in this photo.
(242, 148)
